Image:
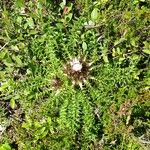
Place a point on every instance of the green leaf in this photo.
(42, 1)
(133, 42)
(94, 14)
(84, 46)
(33, 32)
(127, 15)
(14, 48)
(104, 1)
(19, 20)
(49, 121)
(5, 147)
(118, 41)
(135, 57)
(27, 125)
(105, 58)
(21, 45)
(2, 55)
(37, 124)
(64, 2)
(147, 51)
(68, 17)
(18, 61)
(8, 61)
(20, 3)
(12, 103)
(4, 86)
(40, 132)
(62, 5)
(30, 22)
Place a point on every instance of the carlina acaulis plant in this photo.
(78, 70)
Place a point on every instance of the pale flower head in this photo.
(76, 65)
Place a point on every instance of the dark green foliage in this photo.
(39, 107)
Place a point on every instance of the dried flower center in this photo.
(76, 65)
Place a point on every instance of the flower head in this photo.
(78, 70)
(76, 65)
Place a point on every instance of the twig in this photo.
(144, 141)
(92, 26)
(4, 46)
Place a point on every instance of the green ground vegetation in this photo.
(40, 109)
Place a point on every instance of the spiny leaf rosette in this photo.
(78, 70)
